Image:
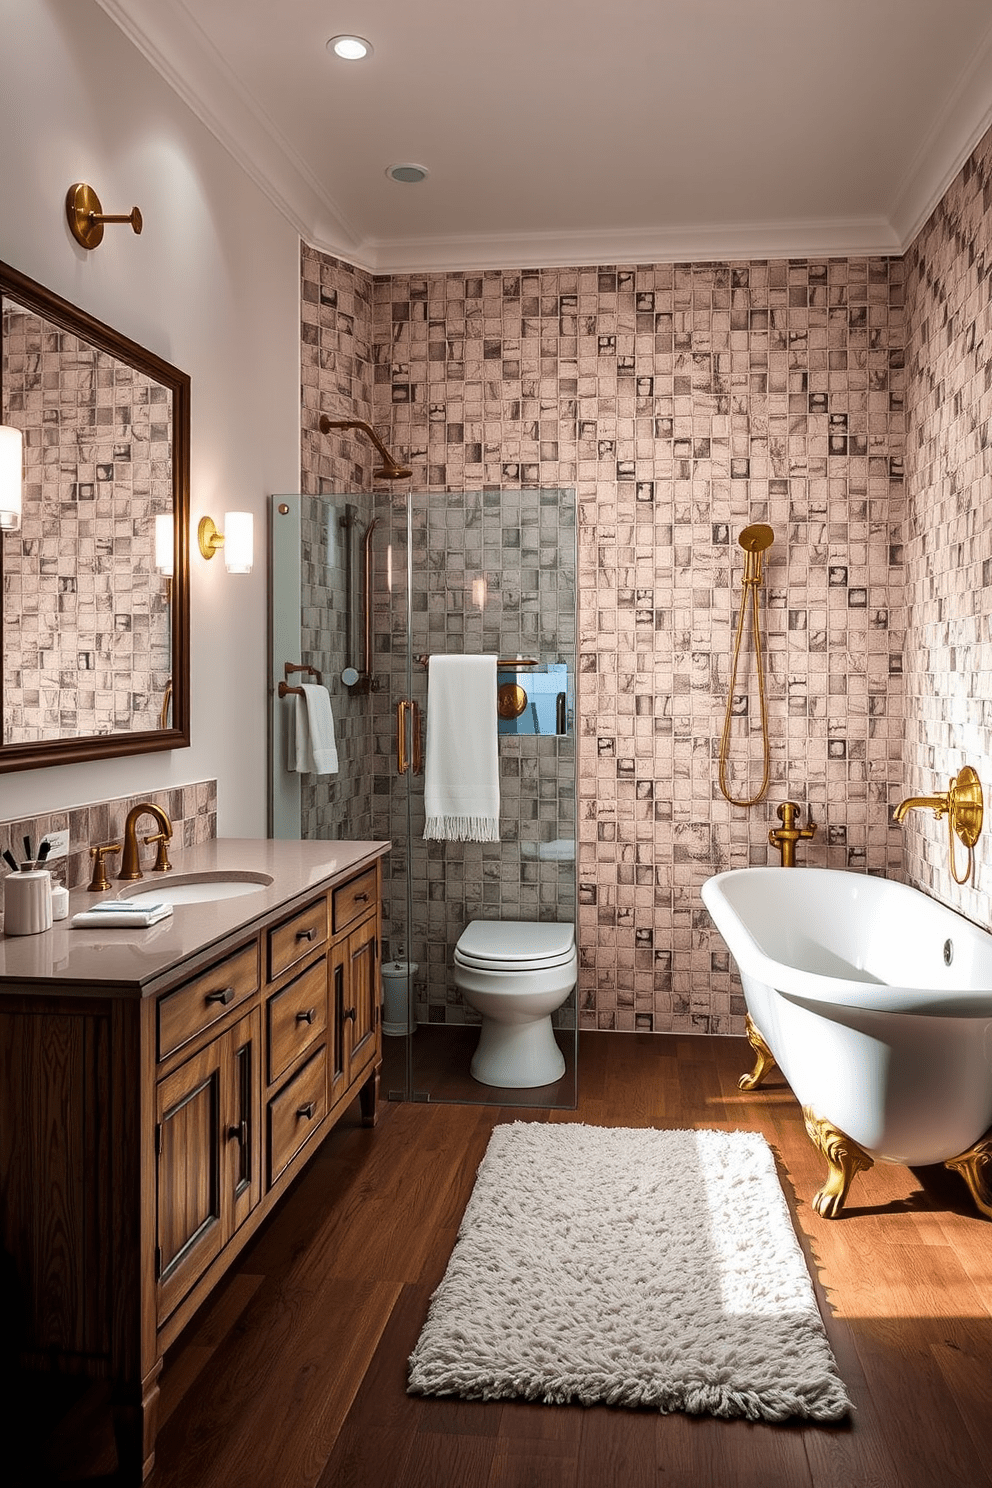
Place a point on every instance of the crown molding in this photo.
(167, 36)
(721, 242)
(961, 124)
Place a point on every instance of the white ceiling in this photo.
(578, 131)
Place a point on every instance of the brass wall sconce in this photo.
(86, 216)
(11, 477)
(237, 540)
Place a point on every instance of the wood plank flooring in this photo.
(293, 1376)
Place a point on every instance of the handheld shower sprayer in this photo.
(754, 540)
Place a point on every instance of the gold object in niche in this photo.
(764, 1061)
(86, 216)
(973, 1166)
(845, 1159)
(511, 700)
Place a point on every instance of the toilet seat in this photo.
(515, 945)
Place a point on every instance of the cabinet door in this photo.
(208, 1147)
(354, 970)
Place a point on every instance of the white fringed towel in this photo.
(312, 748)
(461, 772)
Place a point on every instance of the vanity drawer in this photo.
(296, 938)
(209, 997)
(296, 1018)
(296, 1113)
(353, 900)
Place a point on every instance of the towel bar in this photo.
(289, 668)
(503, 663)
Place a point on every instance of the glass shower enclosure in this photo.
(363, 590)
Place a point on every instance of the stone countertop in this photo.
(130, 960)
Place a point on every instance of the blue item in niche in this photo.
(549, 701)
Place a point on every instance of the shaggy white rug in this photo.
(629, 1267)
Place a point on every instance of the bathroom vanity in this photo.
(159, 1090)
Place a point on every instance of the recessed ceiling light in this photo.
(351, 48)
(409, 174)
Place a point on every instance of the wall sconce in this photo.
(86, 216)
(11, 477)
(237, 540)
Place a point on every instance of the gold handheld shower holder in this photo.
(754, 540)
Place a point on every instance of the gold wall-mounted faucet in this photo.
(788, 834)
(963, 806)
(130, 863)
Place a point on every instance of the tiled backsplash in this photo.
(192, 809)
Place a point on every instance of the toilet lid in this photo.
(524, 944)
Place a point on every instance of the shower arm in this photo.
(390, 469)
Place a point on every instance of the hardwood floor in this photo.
(294, 1374)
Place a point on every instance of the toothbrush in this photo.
(28, 854)
(43, 852)
(11, 861)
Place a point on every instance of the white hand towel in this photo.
(312, 750)
(461, 771)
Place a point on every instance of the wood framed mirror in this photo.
(94, 630)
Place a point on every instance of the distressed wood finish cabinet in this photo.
(145, 1131)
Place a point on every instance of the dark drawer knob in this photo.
(361, 898)
(223, 994)
(306, 1111)
(306, 1017)
(306, 934)
(239, 1133)
(350, 1013)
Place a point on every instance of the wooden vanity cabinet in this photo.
(143, 1139)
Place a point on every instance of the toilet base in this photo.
(517, 1056)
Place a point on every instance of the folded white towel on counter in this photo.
(312, 748)
(112, 914)
(461, 770)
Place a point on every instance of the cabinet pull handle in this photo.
(306, 934)
(239, 1133)
(350, 1013)
(224, 995)
(306, 1017)
(361, 898)
(306, 1111)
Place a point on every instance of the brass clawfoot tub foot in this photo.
(974, 1167)
(844, 1159)
(764, 1058)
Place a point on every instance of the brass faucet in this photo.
(786, 836)
(963, 806)
(130, 864)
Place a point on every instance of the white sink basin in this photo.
(197, 888)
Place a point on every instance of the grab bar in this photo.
(402, 764)
(503, 663)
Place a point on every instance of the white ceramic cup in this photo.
(27, 902)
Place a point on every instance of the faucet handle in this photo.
(162, 864)
(99, 882)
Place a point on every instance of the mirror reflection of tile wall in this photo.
(86, 618)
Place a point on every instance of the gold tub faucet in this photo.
(963, 806)
(130, 863)
(788, 834)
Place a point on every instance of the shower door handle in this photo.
(418, 756)
(401, 760)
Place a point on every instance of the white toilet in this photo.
(516, 973)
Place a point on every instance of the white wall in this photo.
(212, 285)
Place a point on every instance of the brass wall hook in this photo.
(86, 216)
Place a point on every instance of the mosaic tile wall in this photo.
(337, 371)
(683, 402)
(949, 524)
(83, 607)
(192, 809)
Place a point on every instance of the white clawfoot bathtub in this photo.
(876, 1003)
